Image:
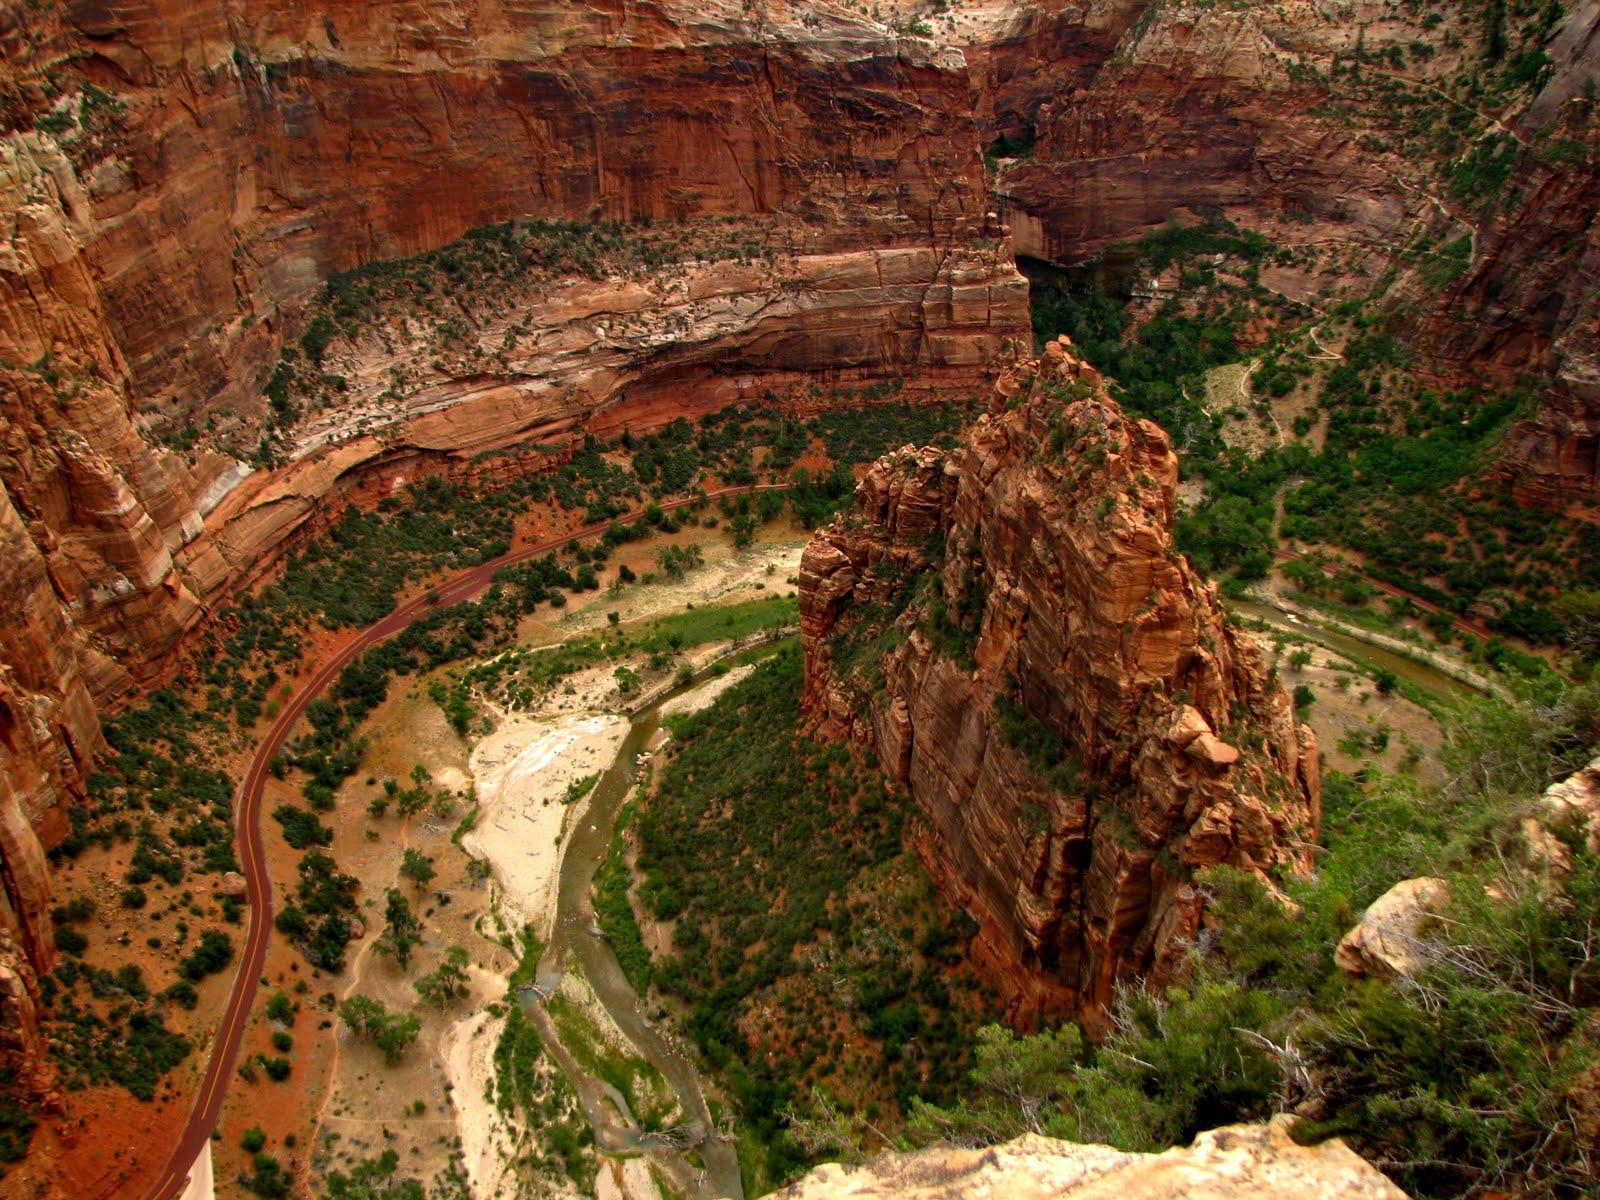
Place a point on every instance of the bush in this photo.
(390, 1032)
(214, 953)
(70, 941)
(252, 1139)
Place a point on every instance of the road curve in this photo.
(247, 812)
(1463, 624)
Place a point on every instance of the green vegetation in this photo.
(517, 677)
(374, 1179)
(130, 1046)
(1400, 473)
(418, 868)
(529, 1088)
(614, 911)
(17, 1123)
(392, 1033)
(1456, 1079)
(318, 918)
(214, 953)
(649, 1097)
(763, 948)
(402, 929)
(267, 1177)
(447, 982)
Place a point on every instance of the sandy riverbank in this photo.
(522, 771)
(489, 1140)
(706, 694)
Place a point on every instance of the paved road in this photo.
(252, 853)
(1464, 624)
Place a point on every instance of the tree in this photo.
(396, 1036)
(280, 1007)
(374, 1179)
(214, 952)
(448, 982)
(392, 1033)
(1579, 614)
(402, 929)
(417, 867)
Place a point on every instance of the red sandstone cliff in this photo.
(178, 179)
(1011, 631)
(1315, 123)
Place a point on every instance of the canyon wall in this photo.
(1318, 124)
(177, 181)
(1010, 630)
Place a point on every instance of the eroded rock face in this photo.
(1239, 1162)
(1009, 627)
(1135, 112)
(177, 179)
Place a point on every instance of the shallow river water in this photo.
(572, 942)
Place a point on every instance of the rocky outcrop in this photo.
(23, 1048)
(1010, 629)
(1389, 941)
(1240, 1162)
(1574, 803)
(1566, 816)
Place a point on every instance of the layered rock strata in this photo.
(1009, 628)
(178, 180)
(1312, 122)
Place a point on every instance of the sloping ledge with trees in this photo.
(1010, 629)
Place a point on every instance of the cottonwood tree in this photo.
(402, 929)
(448, 982)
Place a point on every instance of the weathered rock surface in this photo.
(177, 179)
(1388, 943)
(1060, 691)
(1569, 807)
(1234, 1163)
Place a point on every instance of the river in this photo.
(571, 941)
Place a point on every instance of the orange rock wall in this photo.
(177, 179)
(1143, 111)
(1051, 534)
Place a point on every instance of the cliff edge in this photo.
(1236, 1163)
(1009, 627)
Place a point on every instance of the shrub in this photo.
(214, 952)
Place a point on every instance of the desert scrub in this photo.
(779, 862)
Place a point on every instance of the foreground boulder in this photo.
(1388, 944)
(1239, 1162)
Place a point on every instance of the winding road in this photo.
(252, 853)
